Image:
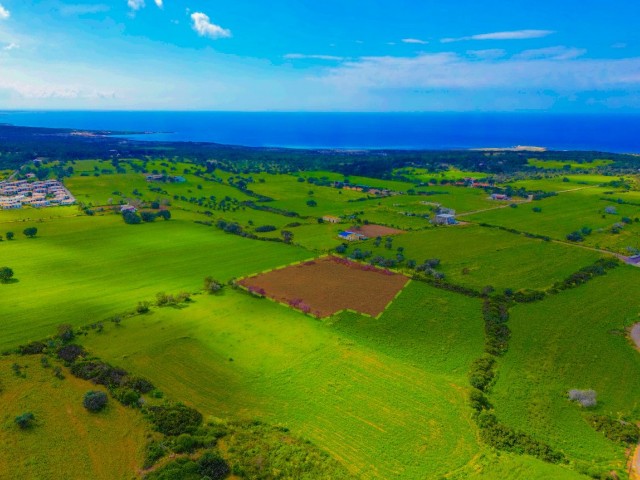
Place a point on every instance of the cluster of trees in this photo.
(29, 232)
(133, 218)
(619, 431)
(163, 299)
(579, 235)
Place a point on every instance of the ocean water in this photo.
(607, 132)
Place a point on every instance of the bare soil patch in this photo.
(373, 231)
(328, 285)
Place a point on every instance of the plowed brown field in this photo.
(328, 285)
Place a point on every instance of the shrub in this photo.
(617, 431)
(174, 419)
(140, 384)
(586, 398)
(6, 273)
(26, 420)
(482, 373)
(127, 396)
(95, 401)
(185, 443)
(131, 218)
(65, 332)
(30, 232)
(33, 348)
(164, 214)
(148, 216)
(266, 228)
(143, 307)
(211, 285)
(212, 465)
(70, 353)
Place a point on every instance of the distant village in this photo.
(47, 193)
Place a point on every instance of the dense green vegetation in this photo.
(159, 361)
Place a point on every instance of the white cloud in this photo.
(10, 46)
(82, 9)
(552, 53)
(300, 56)
(450, 71)
(202, 24)
(135, 4)
(159, 3)
(511, 35)
(414, 40)
(4, 13)
(491, 53)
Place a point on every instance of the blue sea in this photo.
(607, 132)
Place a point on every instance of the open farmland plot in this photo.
(575, 340)
(569, 212)
(84, 269)
(66, 442)
(372, 231)
(476, 257)
(328, 285)
(379, 416)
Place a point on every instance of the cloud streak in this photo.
(510, 35)
(414, 41)
(202, 24)
(135, 4)
(4, 13)
(450, 71)
(301, 56)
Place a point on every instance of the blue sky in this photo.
(335, 55)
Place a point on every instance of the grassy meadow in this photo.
(387, 397)
(66, 441)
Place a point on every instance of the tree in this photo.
(148, 216)
(312, 203)
(6, 274)
(95, 401)
(10, 235)
(287, 236)
(211, 285)
(26, 420)
(30, 232)
(65, 332)
(131, 218)
(212, 465)
(164, 214)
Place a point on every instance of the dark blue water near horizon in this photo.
(618, 133)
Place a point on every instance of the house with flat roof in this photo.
(445, 219)
(331, 219)
(351, 236)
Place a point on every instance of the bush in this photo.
(65, 332)
(185, 443)
(617, 431)
(26, 420)
(30, 232)
(482, 373)
(70, 353)
(212, 465)
(266, 228)
(505, 438)
(586, 398)
(131, 218)
(33, 348)
(95, 401)
(148, 216)
(211, 285)
(174, 419)
(143, 307)
(164, 214)
(6, 274)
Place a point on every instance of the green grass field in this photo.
(476, 256)
(569, 212)
(84, 269)
(234, 355)
(573, 340)
(66, 441)
(386, 397)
